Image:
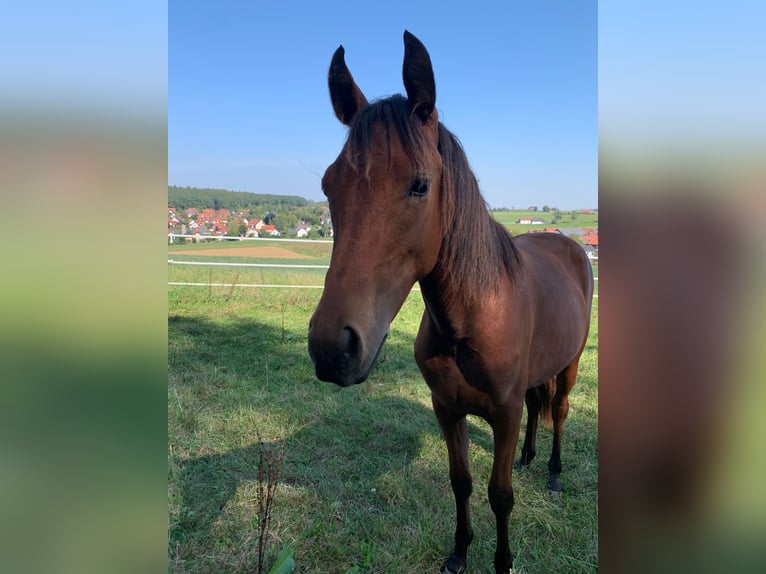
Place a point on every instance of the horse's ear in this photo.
(347, 98)
(418, 77)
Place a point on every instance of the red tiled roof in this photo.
(590, 239)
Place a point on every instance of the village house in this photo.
(591, 238)
(270, 230)
(302, 230)
(172, 220)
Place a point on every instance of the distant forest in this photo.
(185, 197)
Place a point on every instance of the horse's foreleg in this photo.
(455, 432)
(506, 431)
(565, 380)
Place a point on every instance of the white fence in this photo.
(263, 265)
(181, 284)
(266, 266)
(209, 238)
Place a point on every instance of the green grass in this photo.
(243, 275)
(365, 486)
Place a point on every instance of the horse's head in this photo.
(383, 191)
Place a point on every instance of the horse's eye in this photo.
(419, 187)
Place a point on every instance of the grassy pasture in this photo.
(245, 275)
(509, 217)
(308, 247)
(365, 486)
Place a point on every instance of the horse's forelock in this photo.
(394, 116)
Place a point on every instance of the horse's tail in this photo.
(545, 394)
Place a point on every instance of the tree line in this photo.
(185, 197)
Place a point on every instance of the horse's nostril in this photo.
(351, 341)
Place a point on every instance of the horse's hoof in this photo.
(453, 565)
(554, 486)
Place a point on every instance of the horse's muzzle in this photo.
(335, 356)
(339, 356)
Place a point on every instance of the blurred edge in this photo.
(83, 180)
(682, 199)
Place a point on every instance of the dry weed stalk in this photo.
(232, 287)
(270, 461)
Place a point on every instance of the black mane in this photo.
(475, 246)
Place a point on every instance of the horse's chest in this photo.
(473, 366)
(465, 380)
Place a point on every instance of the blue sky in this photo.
(249, 110)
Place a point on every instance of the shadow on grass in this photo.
(339, 442)
(329, 456)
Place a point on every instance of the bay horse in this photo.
(506, 318)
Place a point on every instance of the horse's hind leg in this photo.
(565, 380)
(455, 431)
(533, 402)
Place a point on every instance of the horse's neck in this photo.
(456, 293)
(446, 308)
